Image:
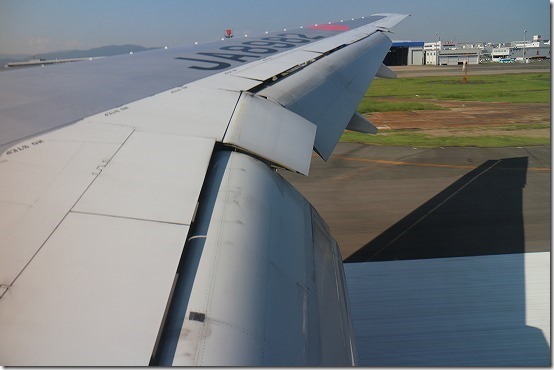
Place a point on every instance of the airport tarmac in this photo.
(396, 203)
(441, 238)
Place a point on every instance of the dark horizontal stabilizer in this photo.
(359, 123)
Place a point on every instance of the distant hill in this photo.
(104, 51)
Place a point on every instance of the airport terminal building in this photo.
(536, 49)
(448, 53)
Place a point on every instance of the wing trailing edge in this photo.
(267, 129)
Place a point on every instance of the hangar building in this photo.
(405, 53)
(442, 53)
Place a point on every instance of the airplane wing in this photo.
(142, 221)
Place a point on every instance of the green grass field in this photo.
(510, 88)
(369, 105)
(413, 94)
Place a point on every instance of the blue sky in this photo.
(38, 26)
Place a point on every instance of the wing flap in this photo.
(265, 291)
(94, 295)
(272, 132)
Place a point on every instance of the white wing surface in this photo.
(140, 221)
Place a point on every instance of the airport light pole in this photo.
(437, 48)
(524, 42)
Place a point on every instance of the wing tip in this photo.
(391, 15)
(390, 20)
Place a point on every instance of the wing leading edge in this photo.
(96, 216)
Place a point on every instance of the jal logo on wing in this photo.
(247, 51)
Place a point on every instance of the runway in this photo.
(479, 69)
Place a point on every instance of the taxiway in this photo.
(390, 203)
